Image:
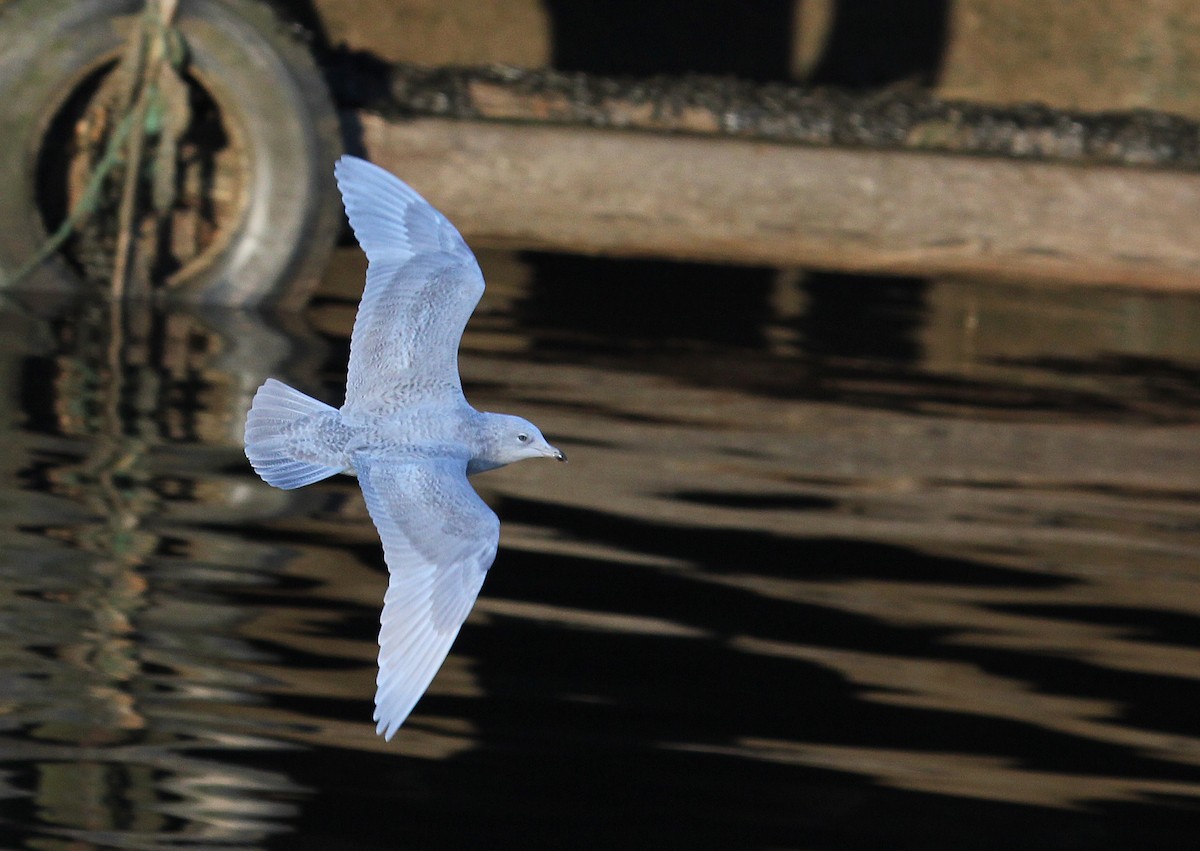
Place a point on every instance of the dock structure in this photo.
(711, 170)
(963, 137)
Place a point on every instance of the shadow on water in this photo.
(894, 343)
(837, 563)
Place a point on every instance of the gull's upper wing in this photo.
(439, 539)
(422, 284)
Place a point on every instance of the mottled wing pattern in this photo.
(422, 284)
(439, 539)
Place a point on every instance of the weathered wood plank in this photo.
(734, 200)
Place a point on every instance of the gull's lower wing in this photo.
(439, 539)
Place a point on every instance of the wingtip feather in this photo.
(390, 219)
(376, 202)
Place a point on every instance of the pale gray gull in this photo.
(405, 430)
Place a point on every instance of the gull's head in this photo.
(515, 439)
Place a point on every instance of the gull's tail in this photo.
(282, 420)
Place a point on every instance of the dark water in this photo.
(836, 563)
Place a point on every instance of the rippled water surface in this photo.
(836, 563)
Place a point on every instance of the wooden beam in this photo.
(629, 193)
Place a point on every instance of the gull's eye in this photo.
(524, 438)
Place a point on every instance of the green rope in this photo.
(174, 48)
(84, 206)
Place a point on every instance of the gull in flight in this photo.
(405, 430)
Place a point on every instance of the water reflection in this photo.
(838, 562)
(110, 636)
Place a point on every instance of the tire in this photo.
(277, 122)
